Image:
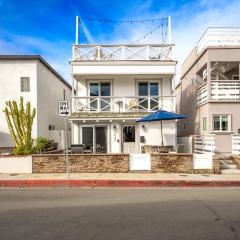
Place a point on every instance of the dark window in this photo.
(128, 133)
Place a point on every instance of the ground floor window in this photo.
(222, 123)
(128, 133)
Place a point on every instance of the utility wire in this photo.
(150, 32)
(83, 32)
(124, 21)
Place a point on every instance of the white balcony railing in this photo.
(123, 104)
(202, 94)
(153, 52)
(227, 90)
(219, 36)
(221, 90)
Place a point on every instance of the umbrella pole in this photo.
(161, 133)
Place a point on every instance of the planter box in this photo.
(12, 164)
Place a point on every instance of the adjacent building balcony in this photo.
(221, 90)
(128, 104)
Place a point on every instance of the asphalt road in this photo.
(120, 214)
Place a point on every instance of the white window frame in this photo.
(229, 123)
(25, 85)
(98, 81)
(159, 81)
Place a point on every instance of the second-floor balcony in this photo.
(126, 104)
(221, 90)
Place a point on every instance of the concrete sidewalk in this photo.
(123, 176)
(119, 180)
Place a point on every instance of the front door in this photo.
(129, 139)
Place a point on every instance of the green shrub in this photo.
(41, 144)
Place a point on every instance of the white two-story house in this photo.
(113, 86)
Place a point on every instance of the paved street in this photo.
(120, 214)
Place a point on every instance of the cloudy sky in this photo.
(47, 27)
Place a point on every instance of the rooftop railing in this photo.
(222, 36)
(125, 52)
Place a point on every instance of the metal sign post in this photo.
(64, 109)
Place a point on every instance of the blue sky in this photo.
(47, 27)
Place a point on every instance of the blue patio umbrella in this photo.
(162, 115)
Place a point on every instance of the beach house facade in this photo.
(113, 86)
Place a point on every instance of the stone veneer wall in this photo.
(236, 159)
(116, 163)
(81, 163)
(179, 163)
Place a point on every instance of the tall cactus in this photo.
(20, 121)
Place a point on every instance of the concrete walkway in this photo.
(118, 180)
(123, 176)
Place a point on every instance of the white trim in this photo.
(221, 115)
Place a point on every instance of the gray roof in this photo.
(37, 57)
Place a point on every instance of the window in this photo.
(103, 90)
(64, 94)
(204, 123)
(128, 133)
(184, 126)
(235, 77)
(25, 84)
(221, 123)
(148, 89)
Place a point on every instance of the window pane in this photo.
(154, 89)
(216, 123)
(142, 89)
(129, 133)
(224, 123)
(25, 84)
(94, 89)
(105, 89)
(87, 137)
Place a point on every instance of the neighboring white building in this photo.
(33, 78)
(113, 85)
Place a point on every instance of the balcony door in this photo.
(148, 95)
(100, 93)
(95, 138)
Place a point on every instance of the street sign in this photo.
(64, 108)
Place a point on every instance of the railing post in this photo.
(98, 52)
(124, 105)
(147, 57)
(98, 105)
(123, 52)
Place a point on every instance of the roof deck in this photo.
(122, 52)
(219, 36)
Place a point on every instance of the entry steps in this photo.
(228, 166)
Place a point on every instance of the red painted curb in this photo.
(114, 183)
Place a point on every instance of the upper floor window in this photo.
(100, 89)
(25, 84)
(64, 94)
(221, 123)
(149, 92)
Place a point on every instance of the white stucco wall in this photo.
(45, 91)
(50, 91)
(10, 73)
(123, 85)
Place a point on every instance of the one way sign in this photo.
(64, 108)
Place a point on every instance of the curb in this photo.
(44, 183)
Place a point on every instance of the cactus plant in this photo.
(20, 121)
